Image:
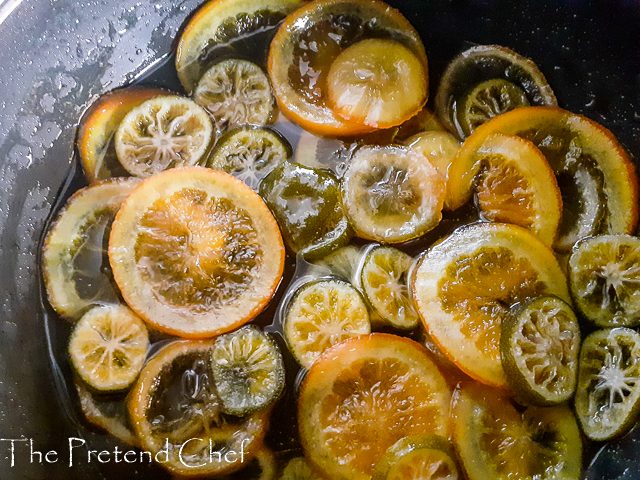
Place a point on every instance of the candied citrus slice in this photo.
(98, 126)
(236, 92)
(486, 81)
(380, 83)
(343, 263)
(107, 413)
(539, 347)
(307, 204)
(196, 252)
(310, 40)
(174, 408)
(75, 272)
(608, 393)
(438, 146)
(249, 153)
(383, 280)
(362, 396)
(261, 467)
(418, 457)
(496, 441)
(597, 180)
(604, 275)
(161, 133)
(514, 184)
(108, 347)
(298, 469)
(248, 370)
(322, 314)
(392, 194)
(221, 26)
(464, 286)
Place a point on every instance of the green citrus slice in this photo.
(75, 250)
(249, 153)
(604, 273)
(464, 286)
(608, 393)
(383, 280)
(248, 370)
(418, 457)
(174, 408)
(196, 252)
(322, 314)
(161, 133)
(380, 83)
(98, 126)
(343, 263)
(236, 92)
(392, 194)
(108, 347)
(539, 347)
(496, 441)
(362, 396)
(221, 26)
(298, 469)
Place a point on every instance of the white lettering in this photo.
(72, 446)
(180, 453)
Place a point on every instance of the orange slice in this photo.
(98, 127)
(196, 252)
(464, 286)
(362, 396)
(310, 40)
(597, 180)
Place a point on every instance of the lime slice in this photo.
(608, 393)
(298, 469)
(539, 347)
(163, 132)
(604, 274)
(380, 83)
(496, 441)
(392, 194)
(489, 99)
(248, 371)
(236, 92)
(418, 457)
(307, 204)
(343, 262)
(383, 280)
(322, 314)
(249, 153)
(108, 347)
(74, 253)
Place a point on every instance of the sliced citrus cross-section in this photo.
(196, 252)
(322, 314)
(362, 396)
(465, 285)
(163, 132)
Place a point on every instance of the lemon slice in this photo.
(392, 194)
(383, 280)
(604, 273)
(322, 314)
(380, 83)
(539, 347)
(418, 457)
(249, 153)
(514, 184)
(236, 92)
(98, 126)
(174, 408)
(608, 394)
(108, 347)
(439, 147)
(464, 286)
(496, 441)
(74, 251)
(362, 396)
(163, 132)
(225, 24)
(196, 252)
(248, 370)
